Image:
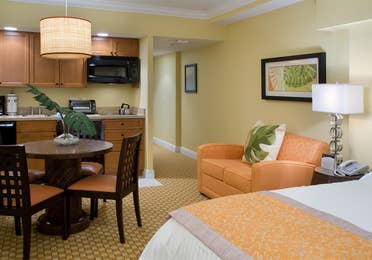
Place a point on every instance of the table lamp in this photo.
(337, 100)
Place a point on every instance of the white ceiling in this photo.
(198, 9)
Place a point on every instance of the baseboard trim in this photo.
(175, 149)
(148, 174)
(188, 153)
(166, 145)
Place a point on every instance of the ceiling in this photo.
(198, 9)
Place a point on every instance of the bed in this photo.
(329, 221)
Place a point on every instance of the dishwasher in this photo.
(8, 134)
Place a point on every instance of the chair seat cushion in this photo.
(95, 183)
(40, 193)
(91, 168)
(35, 175)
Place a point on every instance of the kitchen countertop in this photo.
(54, 117)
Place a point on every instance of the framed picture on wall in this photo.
(191, 78)
(292, 77)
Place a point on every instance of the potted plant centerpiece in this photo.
(71, 120)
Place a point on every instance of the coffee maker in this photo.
(2, 105)
(11, 107)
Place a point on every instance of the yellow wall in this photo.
(229, 102)
(145, 96)
(360, 126)
(165, 84)
(338, 12)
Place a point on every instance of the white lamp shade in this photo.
(65, 38)
(338, 98)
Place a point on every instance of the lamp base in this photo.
(335, 133)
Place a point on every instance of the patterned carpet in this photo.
(176, 172)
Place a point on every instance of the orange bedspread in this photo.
(267, 225)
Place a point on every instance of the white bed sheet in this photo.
(350, 201)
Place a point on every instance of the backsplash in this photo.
(36, 110)
(106, 95)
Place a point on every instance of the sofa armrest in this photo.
(217, 151)
(279, 174)
(220, 151)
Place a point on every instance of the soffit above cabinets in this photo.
(197, 9)
(164, 45)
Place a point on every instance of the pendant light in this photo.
(65, 37)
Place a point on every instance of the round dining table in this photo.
(62, 168)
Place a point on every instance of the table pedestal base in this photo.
(48, 228)
(62, 173)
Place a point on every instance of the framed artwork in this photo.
(291, 77)
(191, 78)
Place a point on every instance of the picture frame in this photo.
(291, 77)
(191, 78)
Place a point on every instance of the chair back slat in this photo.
(127, 175)
(14, 184)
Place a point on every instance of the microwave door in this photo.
(108, 74)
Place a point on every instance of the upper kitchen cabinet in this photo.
(102, 46)
(14, 58)
(58, 73)
(43, 72)
(115, 46)
(73, 73)
(126, 47)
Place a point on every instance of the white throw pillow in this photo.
(264, 142)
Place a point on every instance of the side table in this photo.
(322, 175)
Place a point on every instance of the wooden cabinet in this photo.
(115, 130)
(73, 73)
(126, 47)
(50, 72)
(14, 58)
(43, 72)
(102, 46)
(35, 130)
(115, 46)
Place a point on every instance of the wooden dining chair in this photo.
(115, 187)
(21, 199)
(92, 165)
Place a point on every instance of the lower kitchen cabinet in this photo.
(35, 130)
(115, 131)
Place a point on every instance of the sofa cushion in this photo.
(264, 142)
(238, 176)
(302, 149)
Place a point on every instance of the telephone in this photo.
(351, 167)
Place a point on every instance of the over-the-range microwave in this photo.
(113, 69)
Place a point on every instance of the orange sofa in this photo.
(222, 172)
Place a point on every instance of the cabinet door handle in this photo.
(112, 53)
(62, 83)
(116, 53)
(122, 124)
(57, 84)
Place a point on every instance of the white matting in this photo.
(148, 182)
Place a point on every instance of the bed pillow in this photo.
(264, 142)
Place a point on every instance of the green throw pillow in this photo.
(264, 142)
